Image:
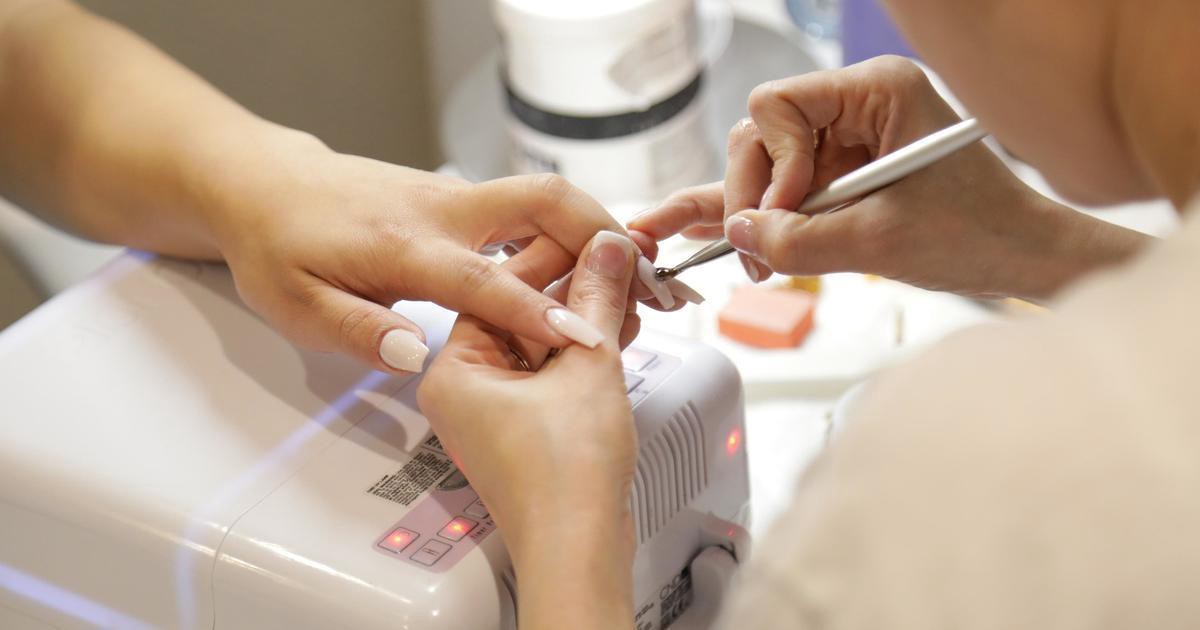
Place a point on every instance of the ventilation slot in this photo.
(671, 471)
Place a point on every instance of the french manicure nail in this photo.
(741, 234)
(574, 327)
(645, 270)
(609, 254)
(403, 350)
(683, 291)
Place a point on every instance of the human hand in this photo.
(553, 446)
(324, 246)
(965, 224)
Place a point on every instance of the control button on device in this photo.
(457, 528)
(476, 509)
(398, 540)
(632, 381)
(431, 552)
(636, 359)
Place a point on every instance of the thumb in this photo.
(600, 286)
(373, 334)
(797, 244)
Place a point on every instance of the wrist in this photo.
(575, 569)
(234, 176)
(1074, 245)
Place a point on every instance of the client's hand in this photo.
(965, 224)
(324, 243)
(551, 452)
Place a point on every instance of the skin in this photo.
(556, 482)
(941, 228)
(107, 137)
(1113, 118)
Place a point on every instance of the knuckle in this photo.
(477, 274)
(764, 96)
(602, 294)
(360, 327)
(595, 292)
(902, 71)
(551, 186)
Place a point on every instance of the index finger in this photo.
(697, 206)
(545, 203)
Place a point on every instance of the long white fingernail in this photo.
(661, 293)
(574, 327)
(681, 290)
(403, 350)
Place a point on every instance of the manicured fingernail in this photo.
(741, 234)
(751, 268)
(645, 271)
(574, 327)
(403, 350)
(610, 254)
(681, 290)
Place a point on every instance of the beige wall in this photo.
(353, 72)
(459, 33)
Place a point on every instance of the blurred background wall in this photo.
(354, 72)
(366, 76)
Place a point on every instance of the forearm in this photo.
(106, 136)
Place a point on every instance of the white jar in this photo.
(607, 93)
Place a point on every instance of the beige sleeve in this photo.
(1044, 474)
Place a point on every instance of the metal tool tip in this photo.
(664, 273)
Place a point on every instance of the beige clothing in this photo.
(1039, 474)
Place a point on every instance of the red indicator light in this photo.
(457, 528)
(396, 541)
(733, 441)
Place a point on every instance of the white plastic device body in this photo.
(171, 462)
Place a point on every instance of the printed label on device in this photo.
(673, 599)
(446, 519)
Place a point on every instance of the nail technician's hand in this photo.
(551, 452)
(965, 224)
(323, 256)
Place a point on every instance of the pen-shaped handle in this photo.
(894, 166)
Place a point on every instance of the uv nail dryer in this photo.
(171, 462)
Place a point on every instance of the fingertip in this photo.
(644, 242)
